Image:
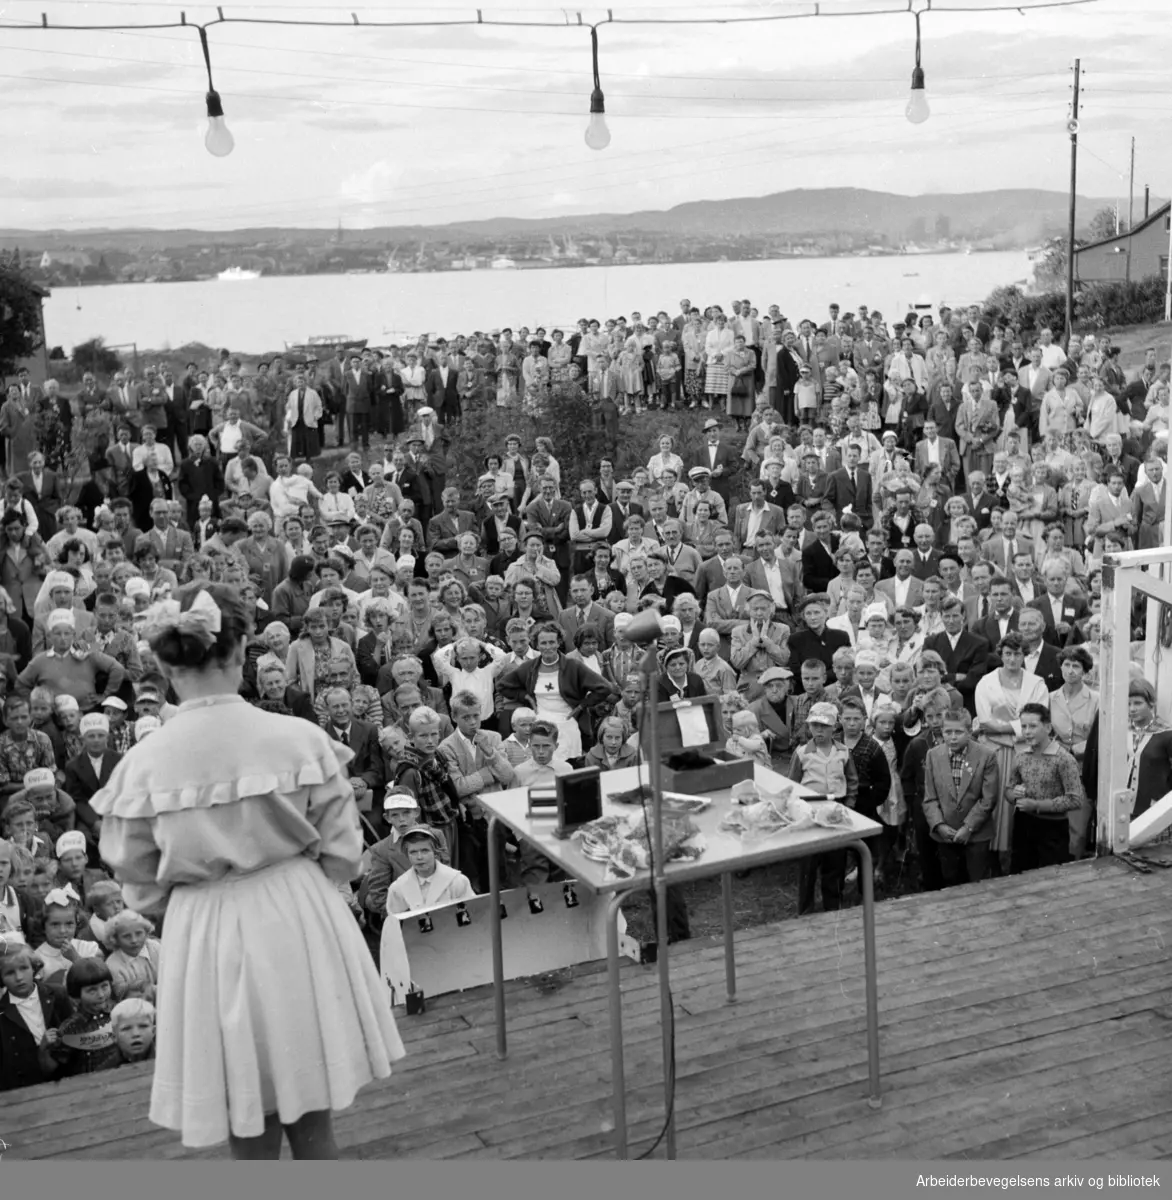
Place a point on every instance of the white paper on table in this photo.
(693, 725)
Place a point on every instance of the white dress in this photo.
(243, 822)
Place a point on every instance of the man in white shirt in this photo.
(587, 526)
(1053, 356)
(904, 589)
(163, 457)
(1023, 576)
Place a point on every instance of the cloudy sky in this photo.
(431, 125)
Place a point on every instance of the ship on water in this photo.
(236, 274)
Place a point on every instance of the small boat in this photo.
(236, 274)
(503, 264)
(911, 274)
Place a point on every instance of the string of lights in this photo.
(220, 142)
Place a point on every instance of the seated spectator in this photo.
(427, 882)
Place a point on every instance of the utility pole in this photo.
(1130, 209)
(1072, 127)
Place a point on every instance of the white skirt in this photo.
(268, 1002)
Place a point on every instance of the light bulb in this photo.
(917, 110)
(218, 140)
(597, 134)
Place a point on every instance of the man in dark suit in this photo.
(442, 388)
(356, 388)
(366, 767)
(926, 558)
(355, 480)
(622, 507)
(1003, 618)
(1061, 611)
(200, 474)
(850, 487)
(499, 519)
(1116, 457)
(42, 491)
(966, 656)
(1040, 658)
(755, 517)
(90, 771)
(718, 459)
(711, 575)
(584, 610)
(550, 516)
(445, 527)
(978, 502)
(818, 566)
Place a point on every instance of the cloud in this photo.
(372, 186)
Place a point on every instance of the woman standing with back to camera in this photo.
(241, 823)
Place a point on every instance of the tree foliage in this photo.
(21, 334)
(1103, 224)
(96, 357)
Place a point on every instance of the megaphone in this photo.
(646, 628)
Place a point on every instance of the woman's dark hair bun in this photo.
(189, 650)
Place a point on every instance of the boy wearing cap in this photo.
(54, 809)
(90, 770)
(388, 858)
(121, 732)
(827, 769)
(427, 882)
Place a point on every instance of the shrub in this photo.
(96, 357)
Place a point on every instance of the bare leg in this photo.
(313, 1136)
(267, 1145)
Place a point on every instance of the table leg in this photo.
(498, 951)
(730, 953)
(866, 872)
(617, 1074)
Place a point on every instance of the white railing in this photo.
(1148, 572)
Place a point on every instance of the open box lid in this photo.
(671, 733)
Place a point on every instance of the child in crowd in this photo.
(610, 753)
(105, 902)
(667, 368)
(85, 1041)
(12, 916)
(629, 702)
(30, 1014)
(718, 675)
(62, 947)
(121, 733)
(540, 769)
(745, 740)
(428, 882)
(134, 956)
(54, 809)
(19, 826)
(516, 745)
(133, 1023)
(806, 396)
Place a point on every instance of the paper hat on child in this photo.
(40, 777)
(145, 725)
(66, 703)
(822, 714)
(68, 842)
(115, 703)
(878, 609)
(137, 586)
(95, 723)
(400, 800)
(61, 617)
(775, 674)
(421, 831)
(671, 625)
(405, 562)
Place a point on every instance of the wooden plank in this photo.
(397, 1087)
(1014, 919)
(785, 1084)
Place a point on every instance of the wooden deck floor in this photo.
(1024, 1017)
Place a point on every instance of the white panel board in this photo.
(451, 957)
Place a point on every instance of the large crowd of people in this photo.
(884, 559)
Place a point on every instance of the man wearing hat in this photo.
(622, 507)
(703, 492)
(429, 462)
(500, 517)
(772, 713)
(719, 462)
(388, 858)
(758, 643)
(549, 516)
